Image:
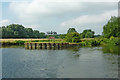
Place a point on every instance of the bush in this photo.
(40, 41)
(19, 42)
(112, 37)
(115, 41)
(101, 41)
(73, 37)
(95, 43)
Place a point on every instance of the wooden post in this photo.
(30, 45)
(37, 46)
(33, 45)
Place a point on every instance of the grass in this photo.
(101, 41)
(22, 41)
(84, 42)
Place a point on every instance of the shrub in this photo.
(73, 37)
(19, 42)
(112, 37)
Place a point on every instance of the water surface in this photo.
(83, 62)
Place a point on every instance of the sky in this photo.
(58, 15)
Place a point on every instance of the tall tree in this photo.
(112, 28)
(73, 37)
(19, 31)
(88, 33)
(71, 30)
(36, 34)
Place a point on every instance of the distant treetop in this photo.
(51, 33)
(71, 30)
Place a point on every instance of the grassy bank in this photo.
(100, 41)
(22, 41)
(83, 42)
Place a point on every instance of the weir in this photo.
(36, 45)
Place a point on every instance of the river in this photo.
(77, 62)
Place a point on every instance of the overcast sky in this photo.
(59, 15)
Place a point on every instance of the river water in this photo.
(82, 62)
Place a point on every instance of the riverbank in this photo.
(22, 41)
(101, 41)
(83, 42)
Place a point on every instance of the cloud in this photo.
(37, 9)
(33, 12)
(42, 14)
(90, 19)
(94, 22)
(4, 22)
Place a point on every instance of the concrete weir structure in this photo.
(39, 45)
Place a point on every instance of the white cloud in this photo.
(90, 19)
(42, 14)
(31, 12)
(94, 22)
(37, 9)
(4, 22)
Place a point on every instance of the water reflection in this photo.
(111, 49)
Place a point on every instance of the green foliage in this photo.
(16, 42)
(111, 41)
(73, 37)
(62, 36)
(19, 31)
(87, 34)
(112, 28)
(52, 33)
(20, 42)
(42, 35)
(71, 30)
(112, 38)
(101, 41)
(56, 36)
(114, 41)
(49, 40)
(40, 41)
(90, 43)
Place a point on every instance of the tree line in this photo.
(110, 30)
(18, 31)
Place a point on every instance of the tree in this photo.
(29, 33)
(73, 37)
(71, 30)
(36, 33)
(62, 36)
(112, 28)
(15, 31)
(42, 35)
(4, 32)
(88, 33)
(19, 31)
(52, 33)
